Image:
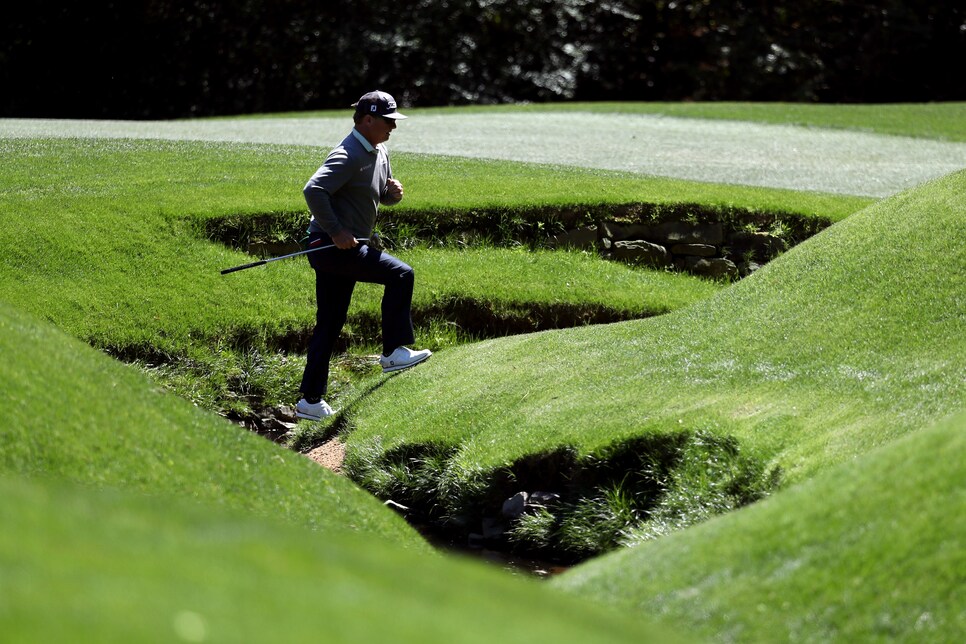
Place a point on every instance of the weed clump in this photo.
(576, 506)
(645, 489)
(410, 476)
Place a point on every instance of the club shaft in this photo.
(275, 259)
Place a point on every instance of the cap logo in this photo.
(377, 104)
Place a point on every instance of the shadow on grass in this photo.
(340, 423)
(563, 506)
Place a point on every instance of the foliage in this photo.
(832, 51)
(623, 492)
(162, 59)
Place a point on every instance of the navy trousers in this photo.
(336, 274)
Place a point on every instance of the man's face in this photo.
(378, 128)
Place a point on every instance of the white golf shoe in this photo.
(403, 358)
(312, 411)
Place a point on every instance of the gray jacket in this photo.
(349, 187)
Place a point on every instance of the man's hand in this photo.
(344, 240)
(394, 190)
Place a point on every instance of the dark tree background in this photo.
(163, 58)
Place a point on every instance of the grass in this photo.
(484, 183)
(131, 515)
(238, 383)
(117, 220)
(79, 565)
(799, 372)
(555, 277)
(823, 355)
(101, 239)
(72, 413)
(942, 121)
(121, 222)
(870, 550)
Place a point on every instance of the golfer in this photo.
(344, 197)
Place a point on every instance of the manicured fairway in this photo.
(772, 154)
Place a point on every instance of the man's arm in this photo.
(392, 193)
(328, 179)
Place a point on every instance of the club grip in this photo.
(243, 267)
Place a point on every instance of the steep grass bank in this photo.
(871, 550)
(70, 412)
(828, 352)
(79, 565)
(463, 296)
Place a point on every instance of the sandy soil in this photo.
(330, 455)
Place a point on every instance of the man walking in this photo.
(344, 197)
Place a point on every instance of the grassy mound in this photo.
(73, 413)
(122, 223)
(85, 566)
(867, 551)
(85, 560)
(828, 352)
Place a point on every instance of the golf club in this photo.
(275, 259)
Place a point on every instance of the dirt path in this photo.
(329, 454)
